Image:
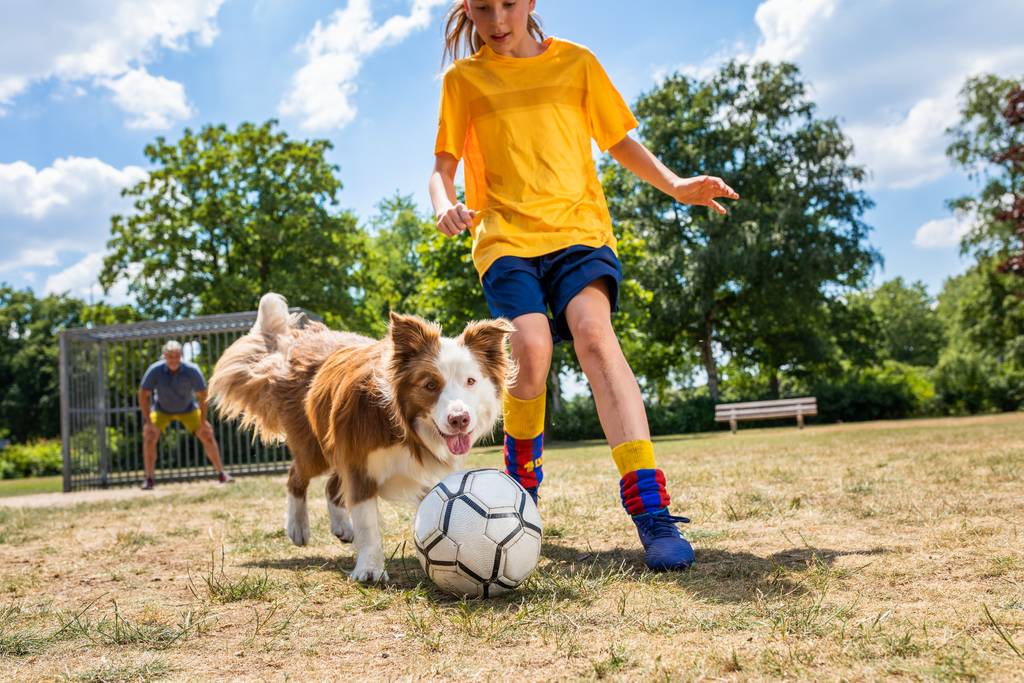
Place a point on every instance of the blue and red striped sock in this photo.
(642, 486)
(524, 440)
(643, 491)
(524, 460)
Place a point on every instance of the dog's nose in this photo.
(458, 420)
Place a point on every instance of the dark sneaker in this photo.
(665, 548)
(224, 478)
(149, 484)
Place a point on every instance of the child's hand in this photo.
(456, 219)
(703, 190)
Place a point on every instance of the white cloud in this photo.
(910, 151)
(101, 42)
(80, 278)
(154, 101)
(786, 26)
(60, 211)
(321, 91)
(890, 70)
(943, 233)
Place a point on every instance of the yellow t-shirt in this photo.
(523, 128)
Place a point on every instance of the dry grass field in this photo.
(850, 552)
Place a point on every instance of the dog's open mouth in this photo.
(458, 444)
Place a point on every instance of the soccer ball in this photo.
(478, 533)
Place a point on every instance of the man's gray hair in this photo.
(171, 346)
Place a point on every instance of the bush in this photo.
(891, 391)
(37, 459)
(678, 415)
(967, 382)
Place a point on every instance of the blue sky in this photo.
(84, 86)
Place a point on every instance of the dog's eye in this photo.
(431, 385)
(471, 381)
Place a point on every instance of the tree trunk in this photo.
(773, 382)
(554, 400)
(707, 355)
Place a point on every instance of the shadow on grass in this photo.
(720, 576)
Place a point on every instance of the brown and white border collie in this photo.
(388, 419)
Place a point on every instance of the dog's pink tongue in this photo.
(458, 444)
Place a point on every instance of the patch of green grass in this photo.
(30, 485)
(616, 661)
(954, 665)
(133, 540)
(15, 639)
(221, 588)
(129, 672)
(1000, 565)
(255, 541)
(18, 526)
(118, 630)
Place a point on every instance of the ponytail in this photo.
(460, 36)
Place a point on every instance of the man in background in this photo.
(180, 395)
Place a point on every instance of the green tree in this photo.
(229, 215)
(755, 285)
(982, 366)
(910, 329)
(392, 270)
(988, 143)
(30, 352)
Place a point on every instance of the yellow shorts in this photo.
(192, 421)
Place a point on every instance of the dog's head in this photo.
(448, 391)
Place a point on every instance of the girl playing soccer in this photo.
(521, 111)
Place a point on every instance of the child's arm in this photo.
(452, 215)
(700, 191)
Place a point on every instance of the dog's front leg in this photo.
(368, 542)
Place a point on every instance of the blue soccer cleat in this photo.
(665, 549)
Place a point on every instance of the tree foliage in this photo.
(909, 328)
(988, 143)
(228, 215)
(29, 355)
(755, 284)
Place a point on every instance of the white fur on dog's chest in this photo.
(400, 477)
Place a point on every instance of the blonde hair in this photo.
(460, 34)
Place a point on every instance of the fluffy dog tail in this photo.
(243, 383)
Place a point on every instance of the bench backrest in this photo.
(787, 407)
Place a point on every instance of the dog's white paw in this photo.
(369, 574)
(370, 567)
(296, 521)
(341, 525)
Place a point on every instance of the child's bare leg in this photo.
(620, 406)
(524, 404)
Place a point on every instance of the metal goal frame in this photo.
(101, 424)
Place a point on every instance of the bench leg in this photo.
(732, 426)
(800, 421)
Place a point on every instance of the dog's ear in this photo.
(486, 339)
(411, 335)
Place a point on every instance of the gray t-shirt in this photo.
(175, 391)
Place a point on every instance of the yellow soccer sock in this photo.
(524, 440)
(642, 485)
(524, 418)
(634, 455)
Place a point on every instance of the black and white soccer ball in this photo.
(478, 533)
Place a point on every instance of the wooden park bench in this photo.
(766, 410)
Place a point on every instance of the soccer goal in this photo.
(101, 426)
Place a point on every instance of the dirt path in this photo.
(52, 500)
